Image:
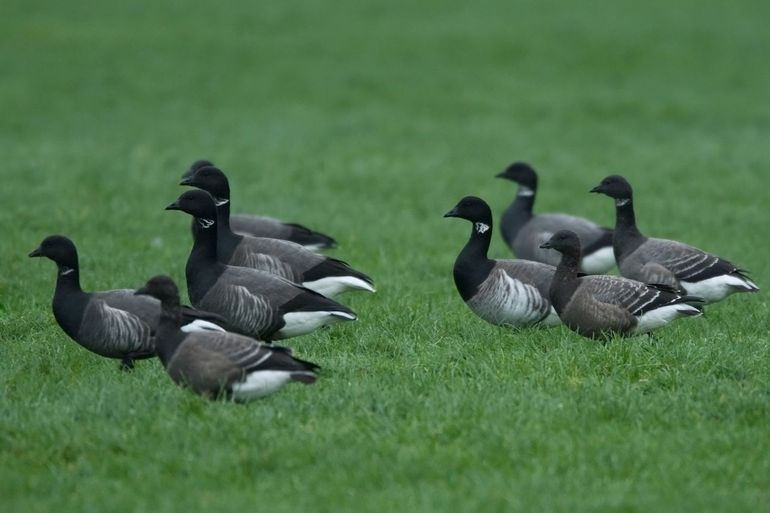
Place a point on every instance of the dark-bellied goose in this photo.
(264, 226)
(502, 292)
(112, 323)
(524, 231)
(255, 303)
(598, 306)
(214, 364)
(326, 275)
(667, 262)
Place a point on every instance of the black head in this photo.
(474, 210)
(614, 186)
(521, 173)
(198, 204)
(196, 166)
(563, 241)
(59, 249)
(212, 180)
(160, 287)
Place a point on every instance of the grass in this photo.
(369, 121)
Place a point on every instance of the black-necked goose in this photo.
(264, 226)
(667, 262)
(524, 231)
(502, 292)
(112, 323)
(214, 364)
(598, 306)
(325, 275)
(255, 303)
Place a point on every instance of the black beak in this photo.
(546, 245)
(38, 252)
(141, 292)
(598, 188)
(186, 179)
(501, 174)
(174, 206)
(452, 213)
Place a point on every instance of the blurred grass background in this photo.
(369, 120)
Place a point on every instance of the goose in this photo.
(220, 363)
(524, 232)
(502, 292)
(254, 303)
(668, 262)
(264, 226)
(112, 323)
(598, 306)
(325, 275)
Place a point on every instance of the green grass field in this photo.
(369, 121)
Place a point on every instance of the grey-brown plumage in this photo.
(668, 262)
(600, 306)
(502, 292)
(214, 364)
(264, 226)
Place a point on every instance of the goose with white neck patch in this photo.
(599, 306)
(255, 303)
(524, 232)
(667, 262)
(113, 323)
(325, 275)
(220, 364)
(502, 292)
(264, 226)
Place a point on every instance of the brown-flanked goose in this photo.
(213, 364)
(599, 306)
(111, 323)
(668, 262)
(254, 303)
(326, 275)
(502, 292)
(264, 226)
(524, 232)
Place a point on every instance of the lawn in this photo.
(368, 121)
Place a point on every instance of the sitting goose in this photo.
(502, 292)
(211, 363)
(668, 262)
(113, 323)
(525, 232)
(255, 303)
(325, 275)
(263, 226)
(599, 306)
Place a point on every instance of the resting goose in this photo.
(255, 303)
(502, 292)
(325, 275)
(524, 232)
(214, 364)
(264, 226)
(599, 306)
(668, 262)
(112, 323)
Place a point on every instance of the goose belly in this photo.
(259, 384)
(659, 317)
(503, 300)
(302, 323)
(719, 287)
(598, 262)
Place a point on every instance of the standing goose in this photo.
(667, 262)
(524, 232)
(211, 363)
(112, 323)
(264, 226)
(601, 305)
(325, 275)
(255, 303)
(502, 292)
